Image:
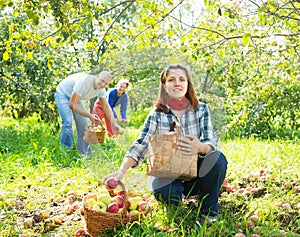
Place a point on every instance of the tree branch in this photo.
(111, 25)
(164, 17)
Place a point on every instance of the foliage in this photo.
(260, 195)
(243, 54)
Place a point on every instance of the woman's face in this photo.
(176, 84)
(101, 82)
(122, 87)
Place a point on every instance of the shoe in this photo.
(210, 219)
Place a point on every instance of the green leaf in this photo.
(245, 39)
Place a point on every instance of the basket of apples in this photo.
(112, 209)
(94, 134)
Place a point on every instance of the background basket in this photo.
(100, 135)
(97, 221)
(166, 161)
(92, 135)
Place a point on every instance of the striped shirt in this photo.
(194, 122)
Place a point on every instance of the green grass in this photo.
(35, 172)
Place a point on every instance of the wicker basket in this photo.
(166, 161)
(97, 221)
(93, 136)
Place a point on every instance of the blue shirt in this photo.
(114, 101)
(194, 122)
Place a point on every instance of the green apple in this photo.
(105, 198)
(100, 206)
(134, 202)
(90, 202)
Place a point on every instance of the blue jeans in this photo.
(206, 188)
(67, 115)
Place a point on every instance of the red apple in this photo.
(239, 235)
(285, 205)
(76, 206)
(119, 200)
(113, 207)
(254, 218)
(112, 182)
(121, 193)
(80, 232)
(296, 189)
(225, 183)
(143, 206)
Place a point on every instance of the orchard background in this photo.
(244, 57)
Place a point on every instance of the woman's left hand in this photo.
(188, 145)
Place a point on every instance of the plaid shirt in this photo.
(194, 122)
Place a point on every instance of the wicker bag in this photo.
(93, 135)
(97, 221)
(166, 161)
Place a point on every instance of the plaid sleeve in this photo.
(138, 149)
(207, 132)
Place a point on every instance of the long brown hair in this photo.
(161, 102)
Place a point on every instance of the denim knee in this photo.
(170, 193)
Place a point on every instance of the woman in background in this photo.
(115, 96)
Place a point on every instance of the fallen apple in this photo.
(239, 234)
(28, 223)
(44, 214)
(80, 232)
(58, 220)
(68, 210)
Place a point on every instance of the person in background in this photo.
(177, 101)
(115, 96)
(69, 97)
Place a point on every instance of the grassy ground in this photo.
(261, 195)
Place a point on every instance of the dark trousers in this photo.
(206, 188)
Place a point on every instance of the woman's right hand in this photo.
(118, 175)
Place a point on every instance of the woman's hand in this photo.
(190, 145)
(116, 129)
(118, 175)
(123, 120)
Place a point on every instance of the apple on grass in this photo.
(44, 214)
(80, 232)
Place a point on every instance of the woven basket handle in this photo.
(179, 130)
(97, 117)
(125, 198)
